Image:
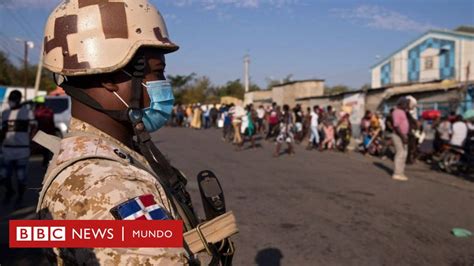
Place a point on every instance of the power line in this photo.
(28, 25)
(27, 29)
(6, 47)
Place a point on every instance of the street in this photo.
(312, 208)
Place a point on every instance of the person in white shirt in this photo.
(260, 118)
(443, 133)
(460, 131)
(314, 138)
(18, 123)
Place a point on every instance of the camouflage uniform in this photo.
(88, 189)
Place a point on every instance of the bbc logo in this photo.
(41, 233)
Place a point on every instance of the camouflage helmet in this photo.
(84, 37)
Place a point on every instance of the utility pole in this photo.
(39, 71)
(27, 45)
(246, 73)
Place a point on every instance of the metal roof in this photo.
(298, 81)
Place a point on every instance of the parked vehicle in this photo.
(457, 160)
(61, 106)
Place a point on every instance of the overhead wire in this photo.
(31, 34)
(25, 26)
(7, 47)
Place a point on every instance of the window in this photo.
(429, 63)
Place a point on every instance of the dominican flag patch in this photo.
(140, 208)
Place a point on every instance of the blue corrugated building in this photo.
(436, 55)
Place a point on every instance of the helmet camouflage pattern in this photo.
(84, 37)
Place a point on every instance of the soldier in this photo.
(18, 122)
(112, 57)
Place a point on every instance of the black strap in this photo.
(17, 125)
(81, 96)
(139, 65)
(167, 174)
(16, 146)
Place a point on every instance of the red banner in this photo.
(96, 234)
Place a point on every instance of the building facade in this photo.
(436, 55)
(287, 93)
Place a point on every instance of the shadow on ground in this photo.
(269, 257)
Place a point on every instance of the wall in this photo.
(335, 102)
(373, 99)
(430, 65)
(467, 56)
(356, 102)
(376, 78)
(257, 96)
(287, 94)
(437, 92)
(229, 100)
(399, 69)
(438, 100)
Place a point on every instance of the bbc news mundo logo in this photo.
(96, 234)
(40, 233)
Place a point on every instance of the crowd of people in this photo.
(397, 134)
(324, 129)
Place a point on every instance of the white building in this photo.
(436, 55)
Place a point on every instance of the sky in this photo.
(334, 40)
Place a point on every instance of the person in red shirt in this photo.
(273, 120)
(401, 128)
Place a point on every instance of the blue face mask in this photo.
(161, 104)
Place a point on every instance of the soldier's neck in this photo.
(104, 123)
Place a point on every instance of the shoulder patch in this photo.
(140, 208)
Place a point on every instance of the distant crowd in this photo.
(397, 134)
(325, 129)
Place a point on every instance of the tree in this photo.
(196, 93)
(365, 87)
(254, 87)
(465, 28)
(275, 82)
(338, 89)
(180, 81)
(232, 88)
(10, 75)
(47, 82)
(5, 70)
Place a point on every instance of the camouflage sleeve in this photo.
(88, 190)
